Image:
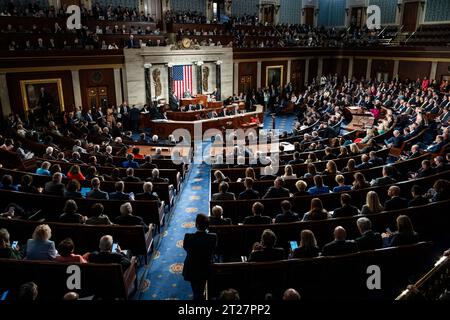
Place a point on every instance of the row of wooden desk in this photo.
(193, 115)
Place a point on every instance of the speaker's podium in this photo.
(359, 118)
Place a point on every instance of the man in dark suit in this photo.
(148, 163)
(249, 193)
(156, 178)
(130, 177)
(96, 193)
(223, 193)
(131, 43)
(105, 255)
(277, 191)
(127, 218)
(287, 215)
(395, 202)
(418, 198)
(347, 210)
(174, 103)
(395, 141)
(369, 240)
(339, 245)
(148, 193)
(119, 194)
(216, 217)
(374, 160)
(216, 94)
(130, 163)
(199, 247)
(365, 164)
(55, 187)
(257, 217)
(386, 179)
(265, 251)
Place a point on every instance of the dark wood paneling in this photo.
(359, 68)
(413, 69)
(333, 66)
(106, 79)
(410, 11)
(312, 72)
(297, 76)
(442, 70)
(382, 66)
(15, 95)
(247, 69)
(273, 63)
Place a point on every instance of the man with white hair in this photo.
(216, 217)
(105, 254)
(155, 177)
(127, 218)
(49, 154)
(148, 193)
(277, 190)
(369, 239)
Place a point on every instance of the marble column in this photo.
(236, 78)
(306, 71)
(350, 67)
(433, 70)
(369, 68)
(218, 75)
(395, 72)
(259, 74)
(319, 67)
(4, 95)
(76, 88)
(288, 71)
(169, 79)
(118, 86)
(148, 84)
(199, 77)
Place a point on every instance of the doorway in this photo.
(410, 11)
(357, 17)
(309, 16)
(269, 14)
(97, 97)
(245, 83)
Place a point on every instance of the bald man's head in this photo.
(340, 233)
(291, 294)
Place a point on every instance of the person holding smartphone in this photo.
(7, 250)
(308, 246)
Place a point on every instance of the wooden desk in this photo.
(163, 128)
(200, 99)
(359, 118)
(194, 115)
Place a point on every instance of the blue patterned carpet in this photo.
(161, 279)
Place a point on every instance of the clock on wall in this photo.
(97, 77)
(186, 43)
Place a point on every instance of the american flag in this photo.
(182, 80)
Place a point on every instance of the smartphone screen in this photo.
(294, 245)
(14, 245)
(388, 230)
(114, 247)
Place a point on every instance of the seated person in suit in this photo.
(6, 252)
(70, 214)
(308, 246)
(277, 190)
(97, 217)
(130, 163)
(268, 174)
(404, 235)
(73, 189)
(119, 194)
(365, 164)
(55, 187)
(347, 210)
(340, 180)
(296, 159)
(40, 247)
(130, 177)
(223, 193)
(287, 215)
(127, 218)
(249, 193)
(395, 202)
(317, 211)
(148, 163)
(216, 217)
(425, 170)
(339, 246)
(319, 187)
(105, 254)
(156, 178)
(418, 197)
(386, 179)
(376, 161)
(265, 250)
(96, 193)
(369, 239)
(257, 217)
(148, 193)
(395, 141)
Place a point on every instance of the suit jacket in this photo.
(40, 250)
(110, 257)
(71, 218)
(130, 220)
(119, 196)
(146, 196)
(257, 220)
(400, 239)
(395, 203)
(369, 241)
(130, 164)
(418, 201)
(131, 179)
(249, 194)
(345, 211)
(384, 181)
(267, 254)
(223, 196)
(287, 217)
(97, 194)
(53, 188)
(219, 221)
(199, 247)
(335, 248)
(276, 193)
